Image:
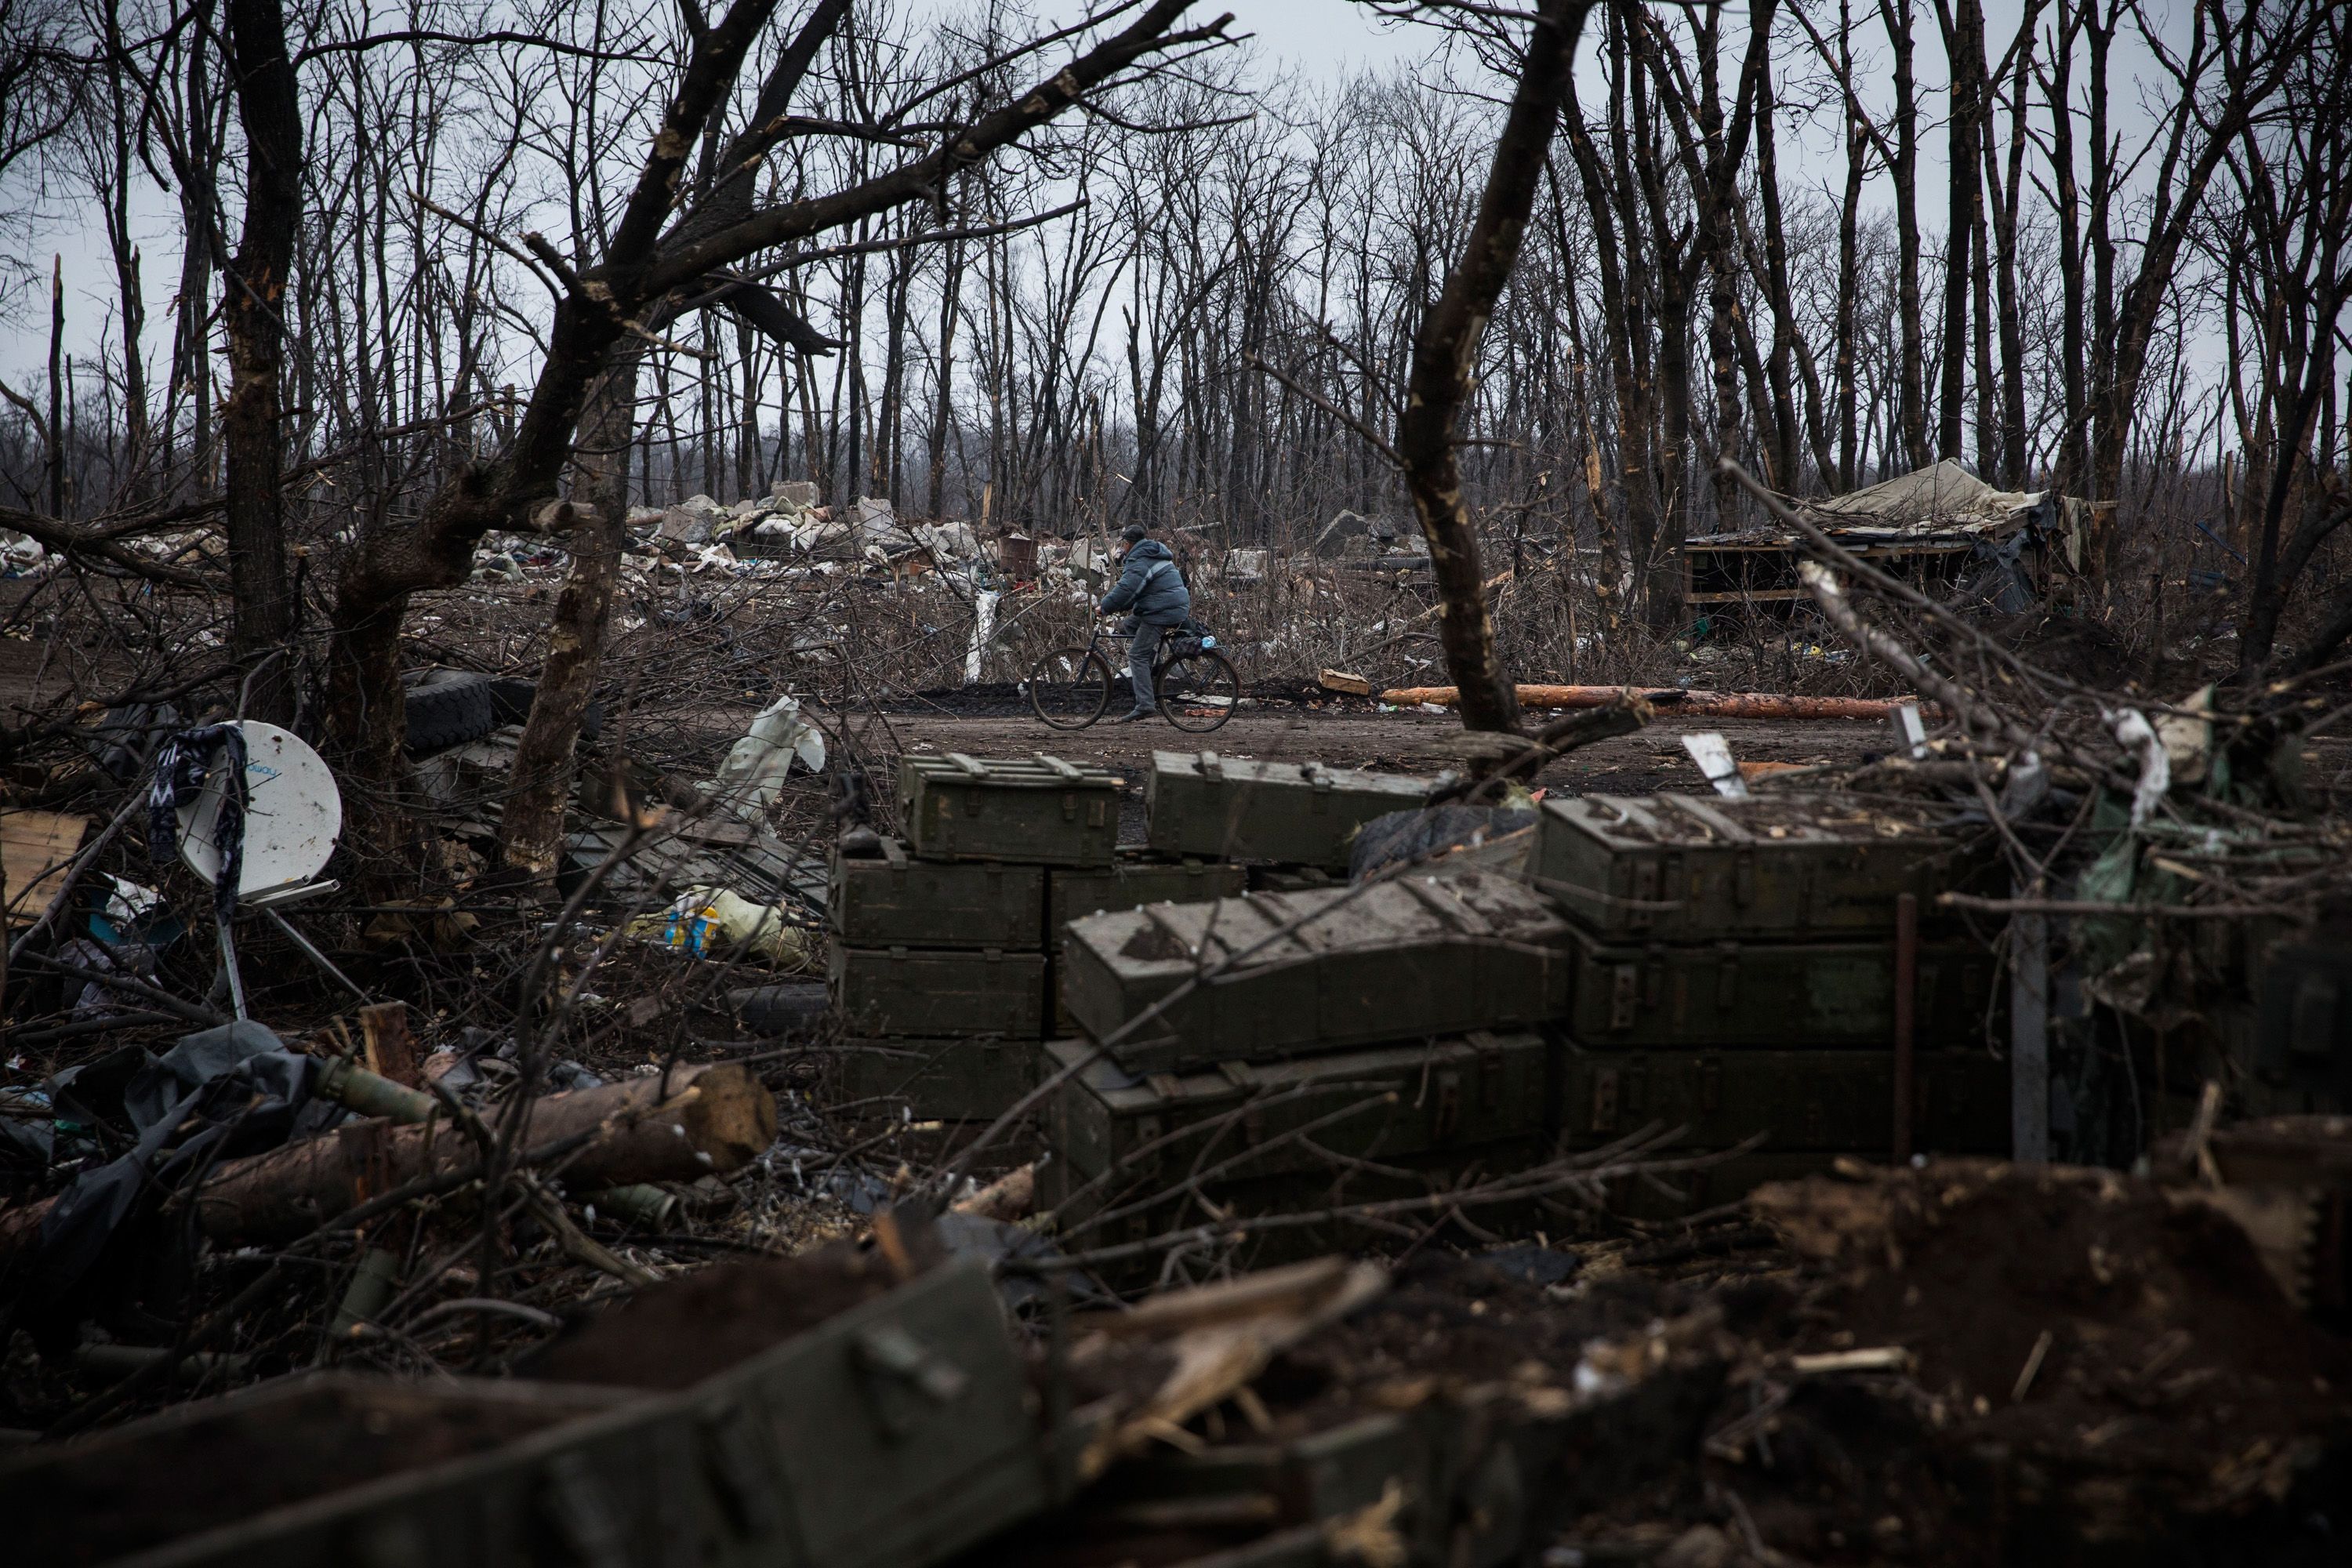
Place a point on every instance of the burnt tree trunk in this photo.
(530, 829)
(1445, 357)
(1849, 274)
(2007, 189)
(1911, 400)
(252, 314)
(2073, 455)
(1963, 29)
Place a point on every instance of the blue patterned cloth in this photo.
(182, 768)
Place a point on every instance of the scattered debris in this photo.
(1342, 682)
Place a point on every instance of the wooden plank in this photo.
(34, 846)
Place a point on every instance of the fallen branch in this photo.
(1555, 741)
(1673, 700)
(1829, 594)
(77, 544)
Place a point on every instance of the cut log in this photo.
(1012, 1196)
(715, 1118)
(1671, 700)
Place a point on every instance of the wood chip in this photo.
(1878, 1358)
(2032, 1365)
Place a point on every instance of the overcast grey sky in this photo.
(1322, 39)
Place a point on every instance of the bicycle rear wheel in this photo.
(1069, 687)
(1198, 691)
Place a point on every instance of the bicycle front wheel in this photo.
(1198, 691)
(1069, 687)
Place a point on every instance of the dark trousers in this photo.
(1141, 651)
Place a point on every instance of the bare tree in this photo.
(1445, 356)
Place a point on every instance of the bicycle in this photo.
(1197, 686)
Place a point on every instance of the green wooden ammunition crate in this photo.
(1774, 993)
(1041, 810)
(1245, 1120)
(1414, 957)
(1675, 867)
(336, 1468)
(1132, 882)
(965, 1079)
(1799, 1099)
(1304, 814)
(1264, 878)
(892, 1436)
(901, 901)
(934, 993)
(1129, 884)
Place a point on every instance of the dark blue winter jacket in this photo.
(1150, 585)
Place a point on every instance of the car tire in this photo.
(448, 713)
(511, 697)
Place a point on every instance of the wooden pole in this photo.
(1671, 700)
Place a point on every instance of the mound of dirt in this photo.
(2094, 1362)
(674, 1334)
(1454, 1320)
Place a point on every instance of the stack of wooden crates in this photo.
(1354, 1044)
(1735, 973)
(940, 969)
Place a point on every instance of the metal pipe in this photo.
(1907, 992)
(355, 1087)
(320, 959)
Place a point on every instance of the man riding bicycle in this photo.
(1151, 590)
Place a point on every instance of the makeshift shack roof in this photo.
(1941, 498)
(1936, 519)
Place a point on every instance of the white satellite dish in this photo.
(293, 813)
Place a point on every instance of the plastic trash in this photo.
(758, 764)
(714, 922)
